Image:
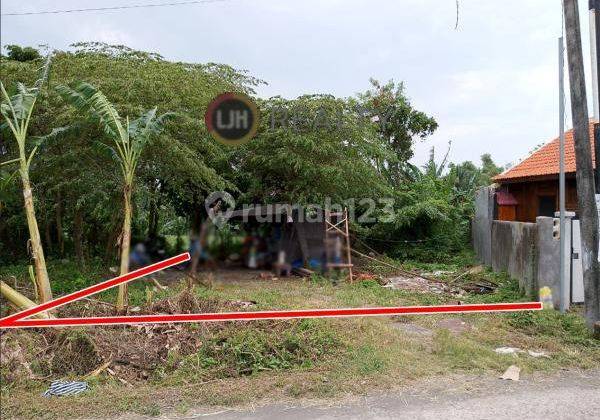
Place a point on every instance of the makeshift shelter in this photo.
(302, 232)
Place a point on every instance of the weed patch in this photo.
(236, 351)
(569, 327)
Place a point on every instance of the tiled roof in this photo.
(545, 161)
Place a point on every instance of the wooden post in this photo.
(348, 249)
(585, 173)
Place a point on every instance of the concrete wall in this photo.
(513, 249)
(526, 251)
(548, 261)
(482, 224)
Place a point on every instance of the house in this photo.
(530, 189)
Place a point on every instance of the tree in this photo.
(23, 54)
(128, 141)
(318, 148)
(17, 110)
(180, 167)
(489, 169)
(398, 123)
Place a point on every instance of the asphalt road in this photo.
(566, 395)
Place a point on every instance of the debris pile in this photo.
(126, 354)
(515, 351)
(415, 283)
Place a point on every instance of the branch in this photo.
(8, 162)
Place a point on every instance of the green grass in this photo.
(65, 275)
(244, 362)
(250, 349)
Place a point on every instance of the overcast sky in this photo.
(491, 84)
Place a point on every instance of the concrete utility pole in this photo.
(585, 174)
(561, 178)
(594, 10)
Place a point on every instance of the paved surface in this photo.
(567, 395)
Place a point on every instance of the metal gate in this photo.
(577, 295)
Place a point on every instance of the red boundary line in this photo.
(97, 288)
(17, 320)
(263, 315)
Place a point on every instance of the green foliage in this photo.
(22, 54)
(336, 148)
(465, 354)
(66, 275)
(72, 172)
(128, 137)
(325, 150)
(432, 212)
(398, 124)
(245, 351)
(508, 289)
(569, 327)
(368, 360)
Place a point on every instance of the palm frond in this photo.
(44, 73)
(147, 125)
(17, 107)
(22, 89)
(87, 98)
(108, 151)
(55, 134)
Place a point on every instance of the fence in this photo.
(528, 252)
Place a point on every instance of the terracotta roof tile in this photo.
(545, 161)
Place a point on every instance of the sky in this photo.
(491, 84)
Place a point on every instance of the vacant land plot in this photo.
(153, 369)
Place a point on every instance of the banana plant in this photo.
(127, 141)
(16, 111)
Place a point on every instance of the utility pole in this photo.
(588, 213)
(561, 177)
(594, 9)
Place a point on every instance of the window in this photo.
(547, 205)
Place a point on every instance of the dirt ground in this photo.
(224, 275)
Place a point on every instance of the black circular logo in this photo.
(232, 118)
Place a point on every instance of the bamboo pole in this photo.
(20, 301)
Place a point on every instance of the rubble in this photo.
(515, 351)
(414, 283)
(512, 373)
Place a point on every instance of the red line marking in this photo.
(92, 290)
(17, 320)
(262, 315)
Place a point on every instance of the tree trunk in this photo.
(585, 175)
(78, 236)
(125, 246)
(111, 239)
(37, 252)
(48, 234)
(59, 226)
(3, 237)
(153, 213)
(194, 236)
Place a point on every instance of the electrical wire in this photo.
(102, 9)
